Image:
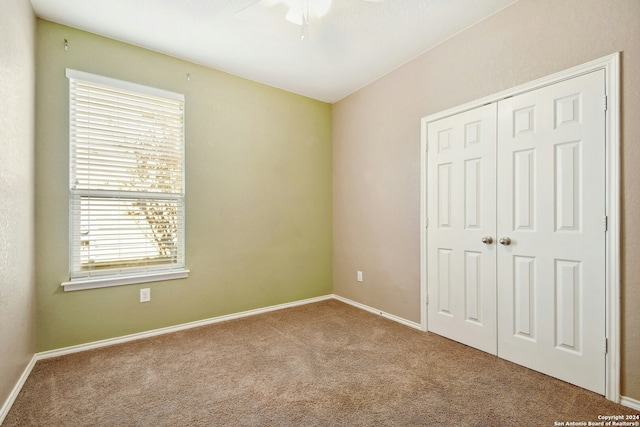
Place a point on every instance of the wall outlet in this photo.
(359, 276)
(145, 295)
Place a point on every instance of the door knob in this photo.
(505, 241)
(487, 240)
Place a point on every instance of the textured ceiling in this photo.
(355, 43)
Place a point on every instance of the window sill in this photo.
(103, 282)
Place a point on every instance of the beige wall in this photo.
(258, 203)
(376, 135)
(17, 86)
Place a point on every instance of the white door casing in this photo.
(551, 205)
(567, 154)
(462, 273)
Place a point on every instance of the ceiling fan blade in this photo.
(250, 8)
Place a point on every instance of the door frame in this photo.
(611, 65)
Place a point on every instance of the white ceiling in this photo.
(354, 44)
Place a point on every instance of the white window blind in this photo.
(126, 180)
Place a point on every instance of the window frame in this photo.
(81, 278)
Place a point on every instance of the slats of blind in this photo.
(126, 180)
(126, 234)
(125, 141)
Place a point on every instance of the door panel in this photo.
(461, 188)
(551, 193)
(524, 292)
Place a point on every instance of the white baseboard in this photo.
(376, 311)
(4, 409)
(629, 402)
(170, 329)
(154, 332)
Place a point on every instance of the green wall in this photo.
(258, 204)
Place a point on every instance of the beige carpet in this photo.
(323, 364)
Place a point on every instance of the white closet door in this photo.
(461, 211)
(551, 204)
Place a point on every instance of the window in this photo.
(126, 180)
